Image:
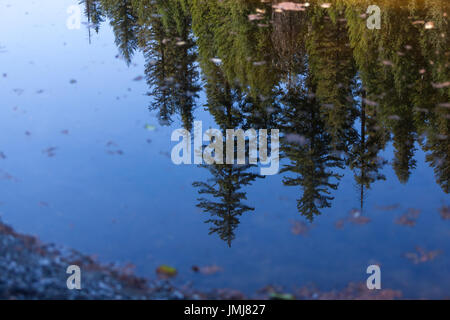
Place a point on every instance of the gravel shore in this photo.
(30, 269)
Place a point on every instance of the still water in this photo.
(86, 117)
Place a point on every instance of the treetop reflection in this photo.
(338, 91)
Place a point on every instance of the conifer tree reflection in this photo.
(94, 14)
(308, 147)
(332, 71)
(123, 20)
(225, 201)
(166, 41)
(364, 157)
(264, 68)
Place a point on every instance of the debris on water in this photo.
(444, 105)
(7, 176)
(150, 127)
(216, 61)
(289, 6)
(390, 207)
(370, 102)
(421, 255)
(441, 85)
(165, 154)
(445, 212)
(165, 271)
(72, 81)
(409, 218)
(255, 16)
(259, 63)
(355, 213)
(429, 25)
(138, 78)
(43, 204)
(207, 270)
(281, 296)
(394, 117)
(353, 291)
(50, 152)
(18, 91)
(111, 144)
(65, 132)
(339, 224)
(357, 218)
(299, 228)
(2, 155)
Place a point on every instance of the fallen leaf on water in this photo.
(289, 6)
(6, 176)
(445, 212)
(50, 151)
(357, 218)
(281, 296)
(441, 85)
(429, 25)
(339, 224)
(421, 255)
(299, 228)
(388, 207)
(255, 16)
(165, 271)
(207, 270)
(150, 127)
(409, 218)
(360, 220)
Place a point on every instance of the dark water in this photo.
(87, 114)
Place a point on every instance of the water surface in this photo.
(87, 115)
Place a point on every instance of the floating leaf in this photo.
(165, 271)
(150, 127)
(281, 296)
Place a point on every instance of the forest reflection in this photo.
(338, 92)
